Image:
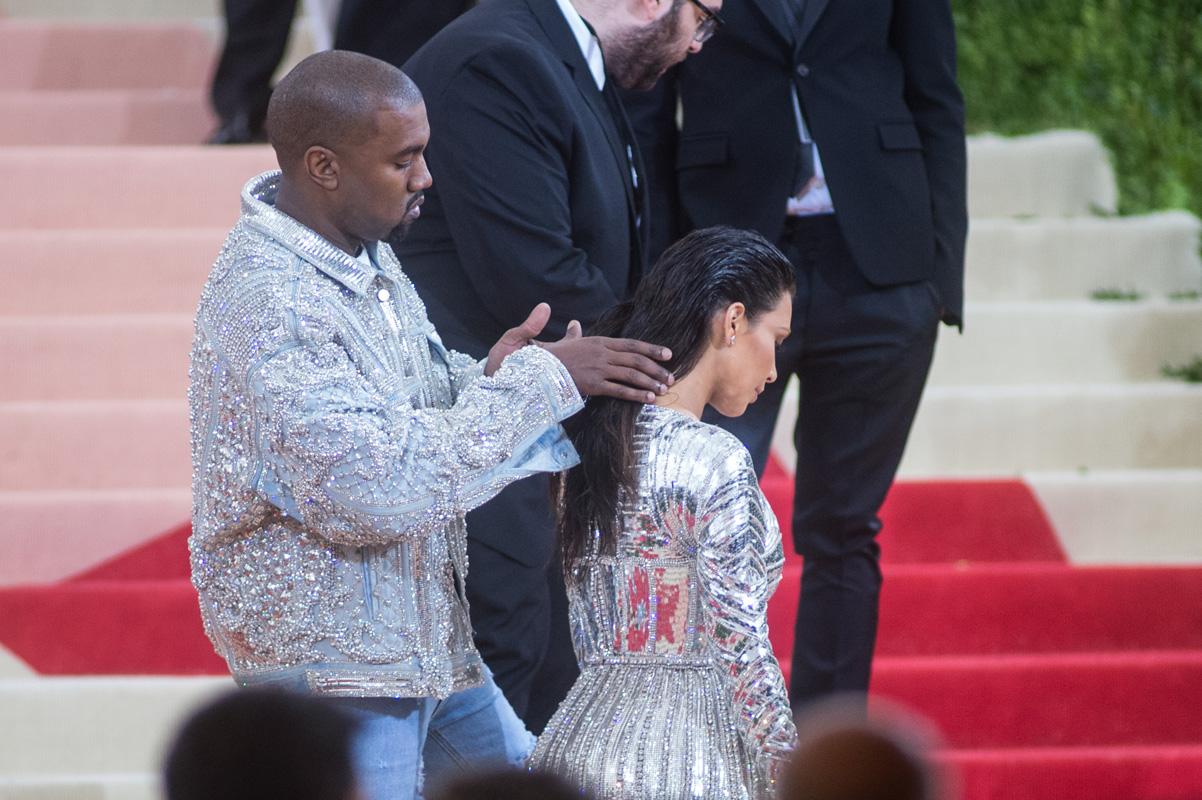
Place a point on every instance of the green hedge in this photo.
(1129, 70)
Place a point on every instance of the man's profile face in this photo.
(641, 55)
(385, 177)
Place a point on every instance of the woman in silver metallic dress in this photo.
(671, 551)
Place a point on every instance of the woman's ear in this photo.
(729, 323)
(736, 319)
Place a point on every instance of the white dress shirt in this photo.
(589, 46)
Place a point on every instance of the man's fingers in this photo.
(533, 326)
(611, 389)
(642, 348)
(643, 364)
(574, 330)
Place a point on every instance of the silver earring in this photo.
(732, 341)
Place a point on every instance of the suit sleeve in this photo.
(923, 33)
(499, 154)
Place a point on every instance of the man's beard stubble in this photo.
(398, 234)
(638, 57)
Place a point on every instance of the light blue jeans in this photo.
(403, 739)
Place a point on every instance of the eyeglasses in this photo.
(710, 22)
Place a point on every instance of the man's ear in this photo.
(649, 10)
(321, 165)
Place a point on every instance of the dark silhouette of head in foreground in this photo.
(255, 744)
(843, 756)
(507, 784)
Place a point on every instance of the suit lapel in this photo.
(782, 22)
(813, 11)
(556, 29)
(774, 13)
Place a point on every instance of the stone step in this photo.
(65, 726)
(967, 431)
(46, 536)
(1067, 342)
(1009, 430)
(1124, 516)
(147, 187)
(145, 356)
(136, 356)
(177, 178)
(94, 445)
(96, 786)
(110, 10)
(1069, 259)
(1061, 173)
(105, 117)
(73, 272)
(38, 54)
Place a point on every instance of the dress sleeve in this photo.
(740, 561)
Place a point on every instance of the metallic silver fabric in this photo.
(336, 445)
(680, 695)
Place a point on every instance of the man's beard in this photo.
(638, 57)
(398, 234)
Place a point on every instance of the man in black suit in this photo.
(538, 193)
(836, 129)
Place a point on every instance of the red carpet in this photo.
(1047, 680)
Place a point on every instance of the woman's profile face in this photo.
(747, 366)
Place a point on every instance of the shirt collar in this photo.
(590, 48)
(258, 208)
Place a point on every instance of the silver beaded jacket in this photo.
(336, 445)
(679, 694)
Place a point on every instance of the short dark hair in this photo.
(330, 99)
(252, 744)
(508, 784)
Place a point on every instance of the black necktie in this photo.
(626, 134)
(804, 169)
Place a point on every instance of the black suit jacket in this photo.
(876, 81)
(533, 198)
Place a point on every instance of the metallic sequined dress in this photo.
(680, 695)
(336, 445)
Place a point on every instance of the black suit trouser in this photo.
(518, 604)
(861, 354)
(255, 39)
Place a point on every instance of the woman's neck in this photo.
(688, 394)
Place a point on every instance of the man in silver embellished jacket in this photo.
(336, 444)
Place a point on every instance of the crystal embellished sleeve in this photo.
(360, 468)
(464, 369)
(740, 564)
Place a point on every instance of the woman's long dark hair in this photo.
(701, 274)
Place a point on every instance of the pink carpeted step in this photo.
(37, 54)
(105, 117)
(105, 358)
(165, 557)
(108, 628)
(947, 520)
(94, 445)
(1085, 699)
(70, 272)
(1021, 608)
(49, 535)
(1166, 772)
(136, 187)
